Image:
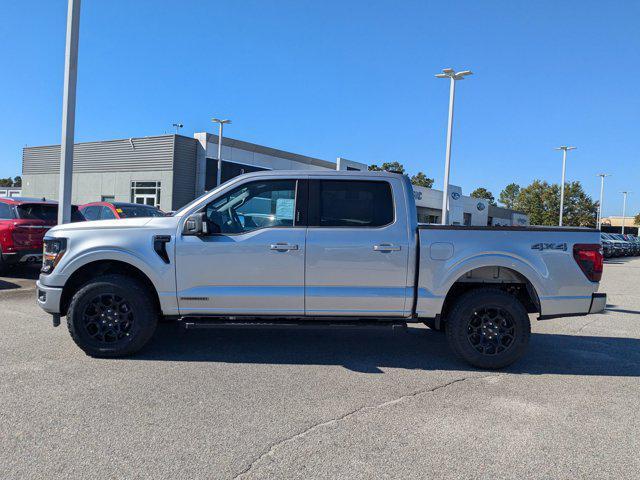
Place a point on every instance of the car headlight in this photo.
(52, 251)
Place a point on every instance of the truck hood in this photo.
(102, 224)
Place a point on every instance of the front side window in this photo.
(350, 203)
(254, 205)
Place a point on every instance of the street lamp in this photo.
(624, 207)
(564, 149)
(452, 76)
(221, 123)
(178, 126)
(601, 175)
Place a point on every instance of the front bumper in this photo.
(598, 302)
(48, 298)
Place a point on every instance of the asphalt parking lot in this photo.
(317, 403)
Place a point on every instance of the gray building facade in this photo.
(166, 170)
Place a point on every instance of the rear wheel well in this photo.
(91, 270)
(500, 278)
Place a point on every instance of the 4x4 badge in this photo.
(549, 246)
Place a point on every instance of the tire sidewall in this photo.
(144, 316)
(458, 321)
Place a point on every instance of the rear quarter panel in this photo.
(448, 253)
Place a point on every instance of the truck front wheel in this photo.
(112, 316)
(488, 328)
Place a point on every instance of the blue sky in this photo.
(345, 78)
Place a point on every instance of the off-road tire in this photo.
(139, 302)
(467, 314)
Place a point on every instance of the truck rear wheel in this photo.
(112, 316)
(488, 328)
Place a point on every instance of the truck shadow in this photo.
(371, 351)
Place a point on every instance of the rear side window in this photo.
(6, 212)
(350, 203)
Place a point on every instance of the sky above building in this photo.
(345, 78)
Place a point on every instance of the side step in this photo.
(218, 323)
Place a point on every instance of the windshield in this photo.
(198, 199)
(45, 212)
(133, 211)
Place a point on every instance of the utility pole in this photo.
(68, 111)
(177, 126)
(601, 175)
(564, 168)
(221, 124)
(453, 76)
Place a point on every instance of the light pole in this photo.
(178, 126)
(564, 149)
(452, 76)
(68, 111)
(221, 123)
(624, 207)
(601, 175)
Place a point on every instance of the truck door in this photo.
(357, 248)
(254, 265)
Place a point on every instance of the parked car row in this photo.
(619, 245)
(24, 221)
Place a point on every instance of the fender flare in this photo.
(105, 254)
(518, 265)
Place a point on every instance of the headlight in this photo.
(52, 251)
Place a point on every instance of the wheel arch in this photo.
(507, 278)
(83, 274)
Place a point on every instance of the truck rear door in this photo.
(357, 248)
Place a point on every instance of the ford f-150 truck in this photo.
(308, 247)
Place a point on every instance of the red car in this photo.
(23, 223)
(109, 211)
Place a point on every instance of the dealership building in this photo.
(169, 171)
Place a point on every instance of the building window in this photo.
(146, 193)
(108, 198)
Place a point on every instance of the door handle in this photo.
(282, 247)
(386, 247)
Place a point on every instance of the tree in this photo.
(509, 195)
(17, 181)
(388, 166)
(636, 219)
(579, 208)
(6, 182)
(482, 192)
(421, 180)
(541, 201)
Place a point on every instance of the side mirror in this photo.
(196, 225)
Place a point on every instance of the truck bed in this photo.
(541, 258)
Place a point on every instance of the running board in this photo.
(198, 323)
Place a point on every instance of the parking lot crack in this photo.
(271, 450)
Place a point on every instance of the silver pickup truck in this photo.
(315, 247)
